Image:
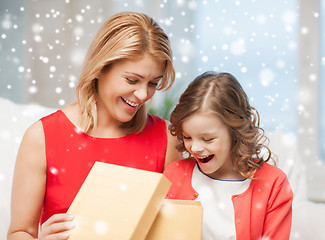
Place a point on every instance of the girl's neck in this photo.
(226, 175)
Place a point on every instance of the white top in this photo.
(218, 210)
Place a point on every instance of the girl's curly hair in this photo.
(223, 94)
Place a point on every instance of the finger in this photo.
(61, 226)
(60, 217)
(57, 228)
(56, 236)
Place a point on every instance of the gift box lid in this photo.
(117, 202)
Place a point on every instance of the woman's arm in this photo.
(28, 191)
(172, 153)
(28, 185)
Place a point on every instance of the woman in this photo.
(129, 59)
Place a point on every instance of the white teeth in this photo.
(203, 157)
(133, 104)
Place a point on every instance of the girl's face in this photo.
(207, 138)
(126, 86)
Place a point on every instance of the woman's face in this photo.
(208, 139)
(126, 86)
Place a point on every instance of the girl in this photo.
(243, 196)
(129, 59)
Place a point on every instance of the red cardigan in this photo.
(263, 211)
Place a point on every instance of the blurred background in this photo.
(275, 49)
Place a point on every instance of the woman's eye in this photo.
(131, 81)
(186, 138)
(154, 84)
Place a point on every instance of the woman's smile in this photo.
(130, 103)
(126, 86)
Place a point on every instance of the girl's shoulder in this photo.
(182, 166)
(183, 163)
(179, 173)
(270, 171)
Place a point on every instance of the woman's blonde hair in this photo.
(126, 35)
(223, 94)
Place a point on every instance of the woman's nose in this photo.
(141, 93)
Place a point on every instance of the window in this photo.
(258, 44)
(309, 93)
(275, 49)
(322, 82)
(11, 48)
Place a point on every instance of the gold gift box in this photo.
(117, 202)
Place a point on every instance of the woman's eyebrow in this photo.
(140, 76)
(159, 77)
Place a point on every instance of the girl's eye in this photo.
(131, 81)
(186, 138)
(207, 139)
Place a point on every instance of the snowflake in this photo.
(54, 170)
(266, 77)
(101, 227)
(123, 187)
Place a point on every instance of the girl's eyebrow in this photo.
(204, 133)
(142, 77)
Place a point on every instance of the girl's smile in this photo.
(204, 159)
(208, 139)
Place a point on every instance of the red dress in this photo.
(70, 154)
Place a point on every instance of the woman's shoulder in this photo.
(155, 119)
(155, 124)
(33, 139)
(34, 131)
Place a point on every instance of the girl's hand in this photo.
(56, 227)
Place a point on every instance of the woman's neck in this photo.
(104, 128)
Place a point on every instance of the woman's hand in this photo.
(56, 227)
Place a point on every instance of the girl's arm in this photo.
(28, 191)
(279, 214)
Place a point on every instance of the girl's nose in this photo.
(196, 147)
